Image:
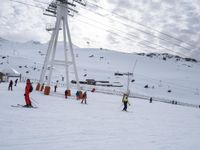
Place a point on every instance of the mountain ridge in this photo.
(42, 47)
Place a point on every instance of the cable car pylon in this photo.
(61, 9)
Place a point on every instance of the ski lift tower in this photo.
(60, 9)
(130, 74)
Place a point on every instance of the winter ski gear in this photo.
(27, 92)
(23, 106)
(10, 87)
(125, 101)
(84, 97)
(31, 88)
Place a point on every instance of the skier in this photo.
(27, 92)
(125, 101)
(93, 90)
(77, 95)
(55, 87)
(10, 85)
(66, 93)
(150, 100)
(16, 82)
(84, 97)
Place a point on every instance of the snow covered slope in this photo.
(61, 123)
(165, 75)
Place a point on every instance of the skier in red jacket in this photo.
(27, 92)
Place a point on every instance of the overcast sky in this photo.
(123, 25)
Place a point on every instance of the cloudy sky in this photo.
(171, 26)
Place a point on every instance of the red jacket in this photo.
(28, 86)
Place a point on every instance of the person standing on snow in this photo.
(16, 82)
(56, 85)
(10, 87)
(77, 95)
(84, 98)
(125, 101)
(150, 100)
(66, 93)
(27, 92)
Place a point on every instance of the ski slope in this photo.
(181, 77)
(61, 123)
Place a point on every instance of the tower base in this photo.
(38, 87)
(47, 90)
(69, 93)
(42, 88)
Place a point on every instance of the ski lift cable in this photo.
(134, 66)
(41, 8)
(142, 31)
(135, 36)
(101, 23)
(129, 79)
(130, 39)
(143, 25)
(141, 43)
(46, 3)
(27, 4)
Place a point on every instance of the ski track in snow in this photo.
(61, 123)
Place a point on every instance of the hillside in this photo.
(164, 75)
(60, 123)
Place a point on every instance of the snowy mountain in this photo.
(156, 75)
(60, 123)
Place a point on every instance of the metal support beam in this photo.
(62, 10)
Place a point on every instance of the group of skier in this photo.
(28, 89)
(10, 86)
(79, 95)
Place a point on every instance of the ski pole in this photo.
(34, 104)
(121, 105)
(34, 100)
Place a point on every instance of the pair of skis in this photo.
(23, 106)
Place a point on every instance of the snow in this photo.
(61, 123)
(180, 77)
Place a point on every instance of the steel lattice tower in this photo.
(60, 9)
